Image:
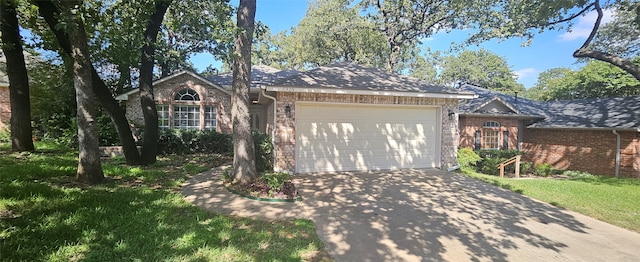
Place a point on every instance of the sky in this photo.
(548, 50)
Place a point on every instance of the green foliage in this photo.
(137, 216)
(5, 136)
(467, 158)
(264, 152)
(490, 159)
(525, 167)
(107, 130)
(276, 180)
(185, 141)
(595, 80)
(482, 68)
(578, 174)
(543, 170)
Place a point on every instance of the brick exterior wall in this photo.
(5, 108)
(165, 91)
(285, 135)
(469, 125)
(590, 151)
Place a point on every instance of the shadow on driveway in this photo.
(428, 215)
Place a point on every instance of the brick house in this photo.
(5, 104)
(600, 136)
(340, 117)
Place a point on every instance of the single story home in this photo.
(600, 136)
(339, 117)
(5, 104)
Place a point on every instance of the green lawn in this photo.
(136, 215)
(615, 201)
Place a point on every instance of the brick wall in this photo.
(469, 125)
(165, 91)
(584, 150)
(5, 108)
(285, 136)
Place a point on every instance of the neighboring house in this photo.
(340, 117)
(5, 104)
(600, 136)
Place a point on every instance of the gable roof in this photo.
(351, 78)
(620, 113)
(260, 75)
(126, 95)
(519, 106)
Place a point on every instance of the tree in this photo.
(480, 67)
(147, 101)
(244, 162)
(548, 81)
(595, 80)
(404, 23)
(21, 133)
(89, 167)
(51, 14)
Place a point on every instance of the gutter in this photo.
(273, 129)
(617, 153)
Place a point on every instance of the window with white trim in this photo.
(186, 116)
(163, 116)
(491, 135)
(210, 117)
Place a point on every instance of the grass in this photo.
(136, 215)
(615, 201)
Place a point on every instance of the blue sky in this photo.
(549, 50)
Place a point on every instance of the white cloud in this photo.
(525, 72)
(582, 29)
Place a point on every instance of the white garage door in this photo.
(335, 137)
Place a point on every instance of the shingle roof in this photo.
(601, 113)
(260, 74)
(606, 113)
(357, 77)
(523, 106)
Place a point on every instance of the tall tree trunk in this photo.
(244, 161)
(21, 133)
(147, 101)
(50, 13)
(89, 167)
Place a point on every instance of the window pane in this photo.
(490, 139)
(210, 119)
(187, 95)
(186, 117)
(163, 116)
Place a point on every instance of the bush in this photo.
(543, 170)
(492, 158)
(5, 136)
(467, 158)
(264, 152)
(525, 167)
(578, 174)
(184, 141)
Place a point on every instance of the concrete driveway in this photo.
(428, 215)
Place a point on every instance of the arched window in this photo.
(491, 135)
(187, 95)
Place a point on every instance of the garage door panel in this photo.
(356, 137)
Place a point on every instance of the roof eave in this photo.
(502, 115)
(632, 129)
(324, 90)
(125, 96)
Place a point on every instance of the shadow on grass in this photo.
(109, 224)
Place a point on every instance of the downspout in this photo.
(617, 153)
(273, 128)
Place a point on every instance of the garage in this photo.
(347, 137)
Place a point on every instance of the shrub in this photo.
(578, 174)
(492, 158)
(264, 152)
(5, 136)
(275, 181)
(184, 141)
(467, 158)
(525, 167)
(543, 170)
